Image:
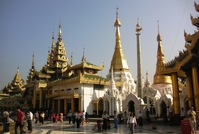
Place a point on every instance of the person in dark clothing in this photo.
(140, 122)
(147, 115)
(74, 117)
(78, 119)
(86, 116)
(105, 118)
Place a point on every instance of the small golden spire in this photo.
(53, 44)
(159, 37)
(83, 57)
(117, 21)
(33, 63)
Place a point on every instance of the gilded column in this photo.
(40, 98)
(58, 110)
(195, 85)
(176, 103)
(189, 89)
(79, 106)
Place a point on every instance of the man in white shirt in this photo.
(29, 119)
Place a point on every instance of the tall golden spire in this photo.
(53, 44)
(60, 33)
(160, 79)
(33, 61)
(83, 57)
(118, 60)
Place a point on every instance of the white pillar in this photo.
(110, 106)
(97, 108)
(104, 105)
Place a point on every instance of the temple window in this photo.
(69, 89)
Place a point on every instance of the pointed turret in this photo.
(83, 57)
(160, 79)
(118, 60)
(59, 62)
(147, 82)
(31, 72)
(48, 58)
(112, 82)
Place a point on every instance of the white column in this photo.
(113, 105)
(97, 108)
(110, 106)
(104, 105)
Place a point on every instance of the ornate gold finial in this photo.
(138, 28)
(117, 21)
(159, 38)
(60, 33)
(117, 11)
(18, 69)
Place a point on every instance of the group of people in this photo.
(130, 120)
(21, 119)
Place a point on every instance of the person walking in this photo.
(132, 122)
(140, 122)
(83, 117)
(69, 115)
(87, 116)
(115, 120)
(61, 117)
(74, 117)
(42, 117)
(125, 116)
(19, 120)
(105, 118)
(36, 116)
(147, 115)
(78, 119)
(29, 120)
(192, 119)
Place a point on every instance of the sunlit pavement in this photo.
(63, 128)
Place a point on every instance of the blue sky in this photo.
(27, 26)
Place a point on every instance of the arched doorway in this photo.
(163, 109)
(106, 106)
(131, 107)
(100, 107)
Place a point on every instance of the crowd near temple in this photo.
(61, 85)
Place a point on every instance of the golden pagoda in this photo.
(185, 66)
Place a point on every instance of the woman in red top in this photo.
(19, 120)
